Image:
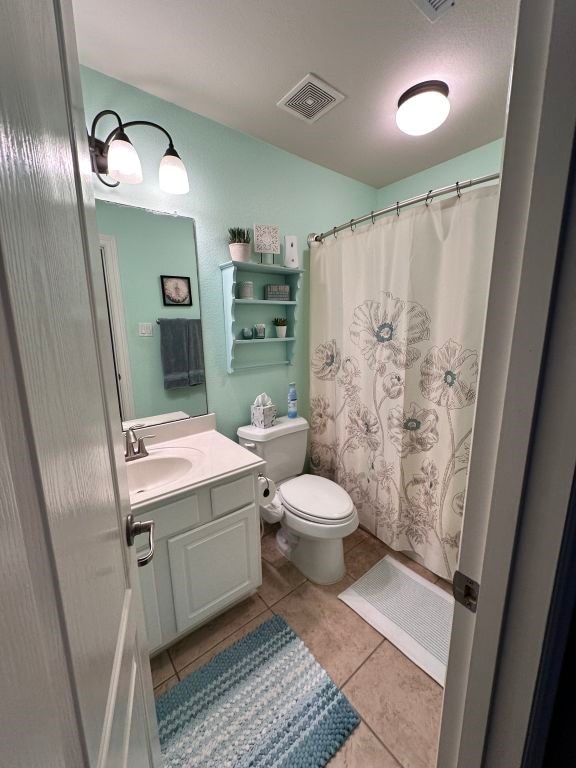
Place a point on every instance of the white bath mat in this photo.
(415, 615)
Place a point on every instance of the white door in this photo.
(476, 729)
(76, 684)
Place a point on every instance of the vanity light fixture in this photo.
(117, 158)
(423, 108)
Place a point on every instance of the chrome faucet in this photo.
(134, 447)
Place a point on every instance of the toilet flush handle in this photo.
(249, 446)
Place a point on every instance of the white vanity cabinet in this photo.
(207, 556)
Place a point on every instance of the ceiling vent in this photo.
(433, 9)
(310, 99)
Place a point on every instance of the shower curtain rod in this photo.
(432, 193)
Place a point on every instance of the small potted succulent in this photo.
(239, 244)
(280, 325)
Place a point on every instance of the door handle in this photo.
(135, 528)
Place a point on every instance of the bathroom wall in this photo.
(235, 180)
(478, 162)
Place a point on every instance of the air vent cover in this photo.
(433, 9)
(310, 99)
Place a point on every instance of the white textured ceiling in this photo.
(232, 60)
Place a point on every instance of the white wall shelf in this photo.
(263, 341)
(243, 354)
(264, 301)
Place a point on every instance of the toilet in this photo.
(315, 513)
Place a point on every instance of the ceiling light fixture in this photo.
(423, 108)
(117, 158)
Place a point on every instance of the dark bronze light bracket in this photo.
(99, 148)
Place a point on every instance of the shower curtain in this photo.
(397, 319)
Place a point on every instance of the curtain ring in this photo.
(373, 217)
(429, 197)
(352, 225)
(335, 233)
(397, 208)
(458, 190)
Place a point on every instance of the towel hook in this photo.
(429, 197)
(458, 190)
(352, 225)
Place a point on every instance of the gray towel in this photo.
(182, 352)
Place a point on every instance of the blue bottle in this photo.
(292, 401)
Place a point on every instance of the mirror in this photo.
(150, 268)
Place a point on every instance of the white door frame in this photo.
(540, 132)
(109, 253)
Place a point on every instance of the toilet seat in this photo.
(317, 499)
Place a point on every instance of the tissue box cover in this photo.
(263, 416)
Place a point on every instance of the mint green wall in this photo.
(478, 162)
(148, 245)
(235, 180)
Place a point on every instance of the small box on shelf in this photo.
(280, 292)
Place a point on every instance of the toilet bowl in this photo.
(315, 513)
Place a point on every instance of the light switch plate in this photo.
(291, 255)
(145, 329)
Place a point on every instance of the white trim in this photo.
(537, 156)
(118, 323)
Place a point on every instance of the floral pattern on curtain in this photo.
(397, 319)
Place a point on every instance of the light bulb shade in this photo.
(123, 161)
(172, 175)
(423, 108)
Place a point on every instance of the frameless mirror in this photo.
(150, 269)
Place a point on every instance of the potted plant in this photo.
(280, 325)
(239, 244)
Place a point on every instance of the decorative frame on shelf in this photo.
(266, 238)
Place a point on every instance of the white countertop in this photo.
(213, 455)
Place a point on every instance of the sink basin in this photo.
(163, 467)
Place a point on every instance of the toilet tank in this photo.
(283, 446)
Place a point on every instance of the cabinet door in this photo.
(214, 566)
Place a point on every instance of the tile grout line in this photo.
(169, 649)
(378, 739)
(372, 652)
(270, 607)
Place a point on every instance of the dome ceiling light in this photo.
(423, 108)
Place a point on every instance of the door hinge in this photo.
(465, 591)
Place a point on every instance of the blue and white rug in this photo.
(265, 702)
(415, 615)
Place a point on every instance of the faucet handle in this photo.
(141, 448)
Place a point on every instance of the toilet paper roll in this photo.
(266, 490)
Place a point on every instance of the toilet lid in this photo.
(317, 499)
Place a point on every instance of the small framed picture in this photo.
(266, 238)
(176, 291)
